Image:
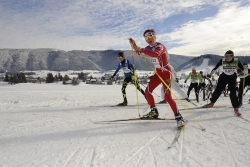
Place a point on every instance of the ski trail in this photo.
(71, 157)
(76, 155)
(141, 148)
(155, 161)
(139, 159)
(181, 146)
(92, 157)
(224, 136)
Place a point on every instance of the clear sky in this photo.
(185, 27)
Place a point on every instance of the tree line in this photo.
(21, 78)
(16, 78)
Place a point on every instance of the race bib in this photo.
(229, 68)
(155, 61)
(194, 78)
(126, 70)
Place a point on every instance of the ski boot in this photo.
(162, 102)
(180, 121)
(236, 111)
(123, 104)
(209, 105)
(152, 114)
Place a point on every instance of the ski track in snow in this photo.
(142, 148)
(229, 149)
(50, 125)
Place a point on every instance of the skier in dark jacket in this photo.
(230, 66)
(128, 70)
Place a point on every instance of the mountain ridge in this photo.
(14, 60)
(59, 60)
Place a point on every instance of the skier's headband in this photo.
(229, 55)
(149, 33)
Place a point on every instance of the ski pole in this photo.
(138, 105)
(242, 91)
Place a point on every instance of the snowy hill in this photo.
(58, 60)
(53, 125)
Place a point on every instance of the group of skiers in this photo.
(198, 83)
(164, 75)
(231, 69)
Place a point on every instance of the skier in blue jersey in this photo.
(128, 70)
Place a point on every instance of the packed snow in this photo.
(57, 125)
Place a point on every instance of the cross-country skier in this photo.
(195, 78)
(230, 66)
(160, 58)
(128, 70)
(201, 86)
(244, 81)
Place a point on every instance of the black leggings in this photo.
(125, 84)
(222, 82)
(195, 86)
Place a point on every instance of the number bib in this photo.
(126, 70)
(194, 78)
(156, 62)
(229, 68)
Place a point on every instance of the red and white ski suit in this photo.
(160, 59)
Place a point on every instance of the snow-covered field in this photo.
(52, 125)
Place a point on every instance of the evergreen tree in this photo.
(82, 76)
(66, 78)
(22, 78)
(49, 78)
(60, 78)
(6, 79)
(56, 78)
(75, 81)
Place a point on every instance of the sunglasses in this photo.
(149, 35)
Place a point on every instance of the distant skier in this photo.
(230, 66)
(128, 70)
(201, 86)
(244, 81)
(160, 58)
(195, 78)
